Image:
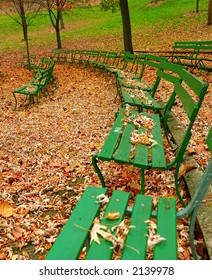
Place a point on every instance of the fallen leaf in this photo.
(18, 232)
(6, 210)
(184, 168)
(99, 229)
(112, 215)
(102, 198)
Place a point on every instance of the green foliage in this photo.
(112, 5)
(151, 24)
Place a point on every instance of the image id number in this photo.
(147, 270)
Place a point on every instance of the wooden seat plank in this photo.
(66, 247)
(112, 140)
(117, 203)
(124, 149)
(136, 241)
(167, 228)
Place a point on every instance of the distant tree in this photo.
(55, 10)
(209, 12)
(24, 12)
(113, 5)
(197, 6)
(127, 34)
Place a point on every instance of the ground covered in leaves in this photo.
(46, 150)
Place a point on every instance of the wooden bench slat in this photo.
(123, 153)
(72, 238)
(157, 151)
(186, 99)
(127, 98)
(136, 241)
(167, 228)
(141, 152)
(112, 140)
(117, 203)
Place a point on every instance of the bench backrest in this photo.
(103, 56)
(168, 75)
(70, 55)
(120, 59)
(200, 43)
(55, 54)
(144, 60)
(129, 62)
(93, 56)
(111, 58)
(30, 61)
(188, 95)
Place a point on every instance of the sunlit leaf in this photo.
(6, 210)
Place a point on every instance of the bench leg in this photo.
(191, 235)
(97, 170)
(15, 101)
(177, 184)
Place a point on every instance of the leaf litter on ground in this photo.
(45, 157)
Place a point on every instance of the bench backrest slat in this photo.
(191, 92)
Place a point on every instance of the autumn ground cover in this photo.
(46, 150)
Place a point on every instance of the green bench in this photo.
(137, 138)
(130, 242)
(29, 62)
(126, 62)
(166, 77)
(196, 54)
(108, 60)
(100, 59)
(135, 81)
(42, 79)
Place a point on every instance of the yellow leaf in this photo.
(6, 210)
(112, 215)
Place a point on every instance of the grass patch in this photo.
(150, 21)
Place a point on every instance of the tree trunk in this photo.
(62, 25)
(59, 44)
(25, 30)
(128, 47)
(57, 28)
(197, 6)
(23, 19)
(209, 12)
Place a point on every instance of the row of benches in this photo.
(139, 137)
(197, 54)
(43, 78)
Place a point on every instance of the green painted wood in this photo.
(141, 153)
(136, 241)
(186, 100)
(167, 228)
(111, 142)
(71, 240)
(117, 203)
(127, 99)
(123, 152)
(157, 151)
(197, 85)
(209, 140)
